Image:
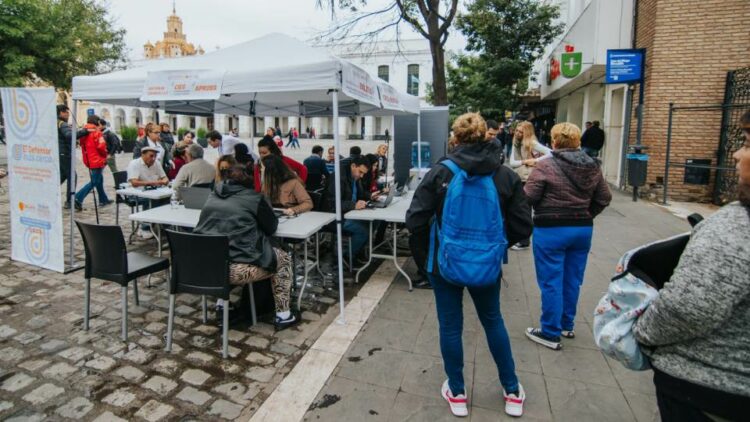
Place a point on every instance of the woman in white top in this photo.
(526, 151)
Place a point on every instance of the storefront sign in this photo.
(34, 177)
(553, 70)
(571, 64)
(357, 83)
(182, 84)
(625, 66)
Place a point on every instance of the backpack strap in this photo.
(434, 226)
(453, 167)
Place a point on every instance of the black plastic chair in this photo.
(120, 178)
(200, 265)
(107, 258)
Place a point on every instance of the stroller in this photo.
(640, 274)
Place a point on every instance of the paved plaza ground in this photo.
(52, 370)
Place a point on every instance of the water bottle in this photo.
(425, 148)
(174, 201)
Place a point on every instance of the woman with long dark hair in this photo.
(282, 186)
(267, 146)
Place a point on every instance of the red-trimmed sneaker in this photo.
(514, 402)
(457, 403)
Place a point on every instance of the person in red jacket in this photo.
(267, 146)
(94, 152)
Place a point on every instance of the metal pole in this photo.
(337, 185)
(669, 147)
(72, 180)
(419, 147)
(639, 131)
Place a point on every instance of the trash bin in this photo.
(425, 154)
(637, 169)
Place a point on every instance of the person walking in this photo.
(592, 140)
(64, 133)
(113, 145)
(312, 133)
(697, 331)
(474, 158)
(567, 191)
(526, 152)
(94, 153)
(295, 137)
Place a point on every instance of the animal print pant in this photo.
(281, 280)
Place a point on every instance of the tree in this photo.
(505, 37)
(50, 41)
(432, 19)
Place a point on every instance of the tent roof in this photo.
(255, 82)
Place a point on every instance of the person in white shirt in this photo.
(146, 171)
(224, 143)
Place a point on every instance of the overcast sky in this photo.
(221, 23)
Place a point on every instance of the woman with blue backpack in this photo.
(567, 190)
(466, 212)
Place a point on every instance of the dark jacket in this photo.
(329, 196)
(316, 172)
(246, 218)
(567, 189)
(593, 138)
(480, 158)
(64, 132)
(112, 140)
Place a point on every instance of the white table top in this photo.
(300, 227)
(394, 213)
(158, 193)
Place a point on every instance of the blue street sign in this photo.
(89, 111)
(625, 66)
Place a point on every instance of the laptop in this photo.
(194, 198)
(384, 204)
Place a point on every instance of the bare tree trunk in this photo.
(439, 88)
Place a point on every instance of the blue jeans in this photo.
(560, 255)
(97, 181)
(359, 232)
(593, 153)
(449, 303)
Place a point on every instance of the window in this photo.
(412, 80)
(383, 72)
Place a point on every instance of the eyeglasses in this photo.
(154, 131)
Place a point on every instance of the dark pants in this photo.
(683, 401)
(65, 176)
(449, 303)
(97, 181)
(359, 231)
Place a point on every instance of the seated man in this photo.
(146, 171)
(196, 171)
(316, 169)
(235, 210)
(353, 197)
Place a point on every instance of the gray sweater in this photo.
(699, 326)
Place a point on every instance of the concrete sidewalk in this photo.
(393, 369)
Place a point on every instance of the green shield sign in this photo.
(571, 64)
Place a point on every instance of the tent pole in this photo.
(419, 147)
(339, 220)
(72, 180)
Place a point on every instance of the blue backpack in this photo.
(471, 236)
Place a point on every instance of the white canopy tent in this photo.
(248, 79)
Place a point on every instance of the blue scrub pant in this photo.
(560, 255)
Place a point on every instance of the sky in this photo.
(222, 23)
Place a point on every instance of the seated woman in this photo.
(282, 186)
(224, 163)
(243, 155)
(178, 160)
(234, 209)
(370, 180)
(267, 146)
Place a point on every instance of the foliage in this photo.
(50, 41)
(181, 132)
(504, 38)
(201, 133)
(431, 19)
(129, 133)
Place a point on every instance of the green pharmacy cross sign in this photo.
(570, 64)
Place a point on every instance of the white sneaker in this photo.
(145, 234)
(514, 403)
(457, 403)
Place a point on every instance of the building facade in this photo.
(174, 43)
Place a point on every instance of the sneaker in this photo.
(457, 403)
(283, 324)
(568, 334)
(514, 402)
(519, 247)
(145, 234)
(104, 204)
(535, 335)
(79, 206)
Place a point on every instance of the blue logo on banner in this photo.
(625, 66)
(21, 113)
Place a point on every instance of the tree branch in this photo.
(411, 20)
(449, 20)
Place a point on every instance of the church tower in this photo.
(174, 43)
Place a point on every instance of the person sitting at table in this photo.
(370, 180)
(224, 163)
(178, 160)
(317, 171)
(196, 171)
(235, 210)
(282, 186)
(353, 197)
(243, 155)
(267, 146)
(146, 171)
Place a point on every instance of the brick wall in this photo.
(692, 44)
